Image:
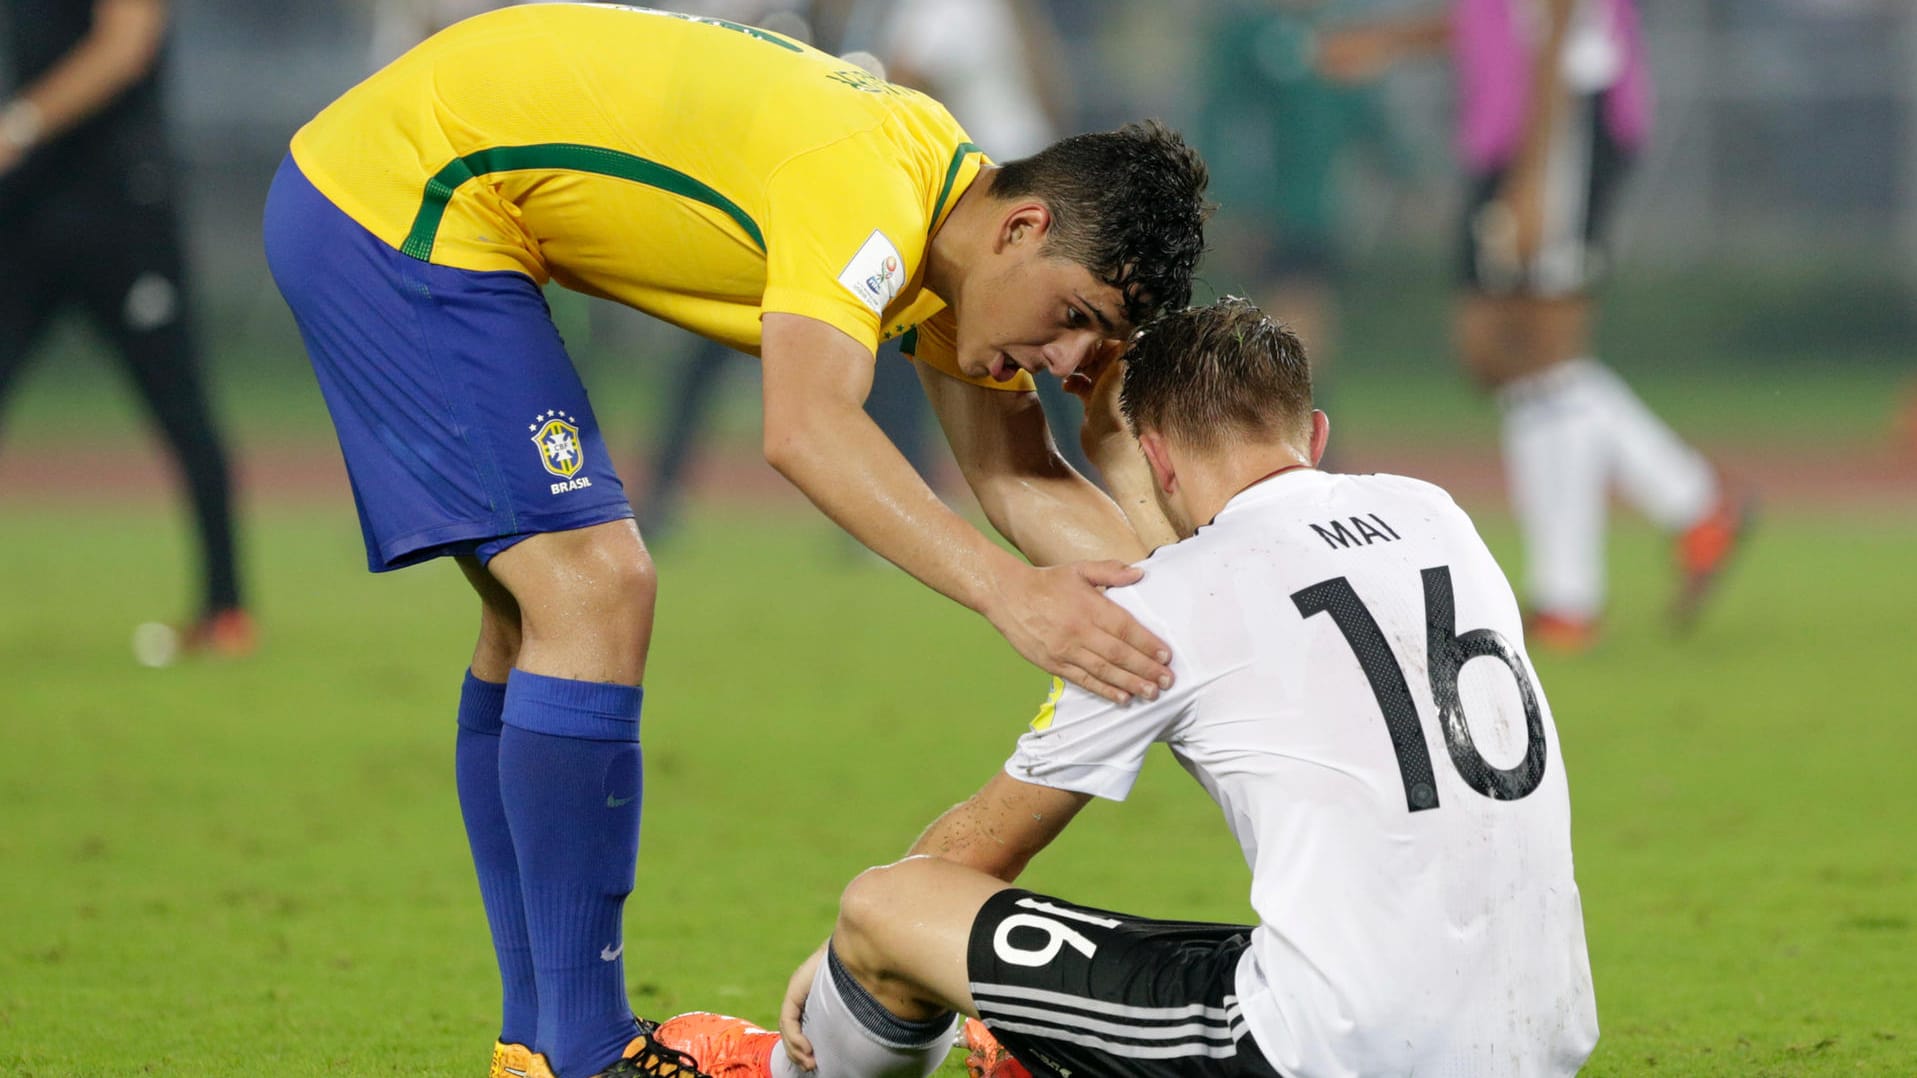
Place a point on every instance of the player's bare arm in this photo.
(125, 39)
(1109, 444)
(999, 829)
(1522, 196)
(818, 435)
(1029, 493)
(1361, 52)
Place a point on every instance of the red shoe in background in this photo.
(226, 634)
(1560, 634)
(1704, 549)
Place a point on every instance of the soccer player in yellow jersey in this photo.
(766, 195)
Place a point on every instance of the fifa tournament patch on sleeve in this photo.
(876, 274)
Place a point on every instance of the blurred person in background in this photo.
(1277, 134)
(982, 59)
(1554, 104)
(87, 220)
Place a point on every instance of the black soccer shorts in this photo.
(1584, 171)
(1076, 992)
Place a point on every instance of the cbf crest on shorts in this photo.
(556, 434)
(557, 437)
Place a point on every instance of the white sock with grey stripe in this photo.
(854, 1036)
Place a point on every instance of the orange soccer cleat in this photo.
(1704, 549)
(224, 634)
(645, 1057)
(513, 1061)
(986, 1058)
(722, 1046)
(1561, 634)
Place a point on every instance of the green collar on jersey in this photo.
(965, 149)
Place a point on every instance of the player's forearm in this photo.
(962, 837)
(1056, 516)
(840, 459)
(1129, 478)
(116, 53)
(1364, 51)
(1547, 92)
(999, 829)
(1411, 35)
(1425, 32)
(1108, 443)
(1004, 446)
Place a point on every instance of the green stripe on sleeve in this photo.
(568, 157)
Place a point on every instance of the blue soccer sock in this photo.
(476, 773)
(569, 776)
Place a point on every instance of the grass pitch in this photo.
(258, 869)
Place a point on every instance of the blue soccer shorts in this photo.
(464, 426)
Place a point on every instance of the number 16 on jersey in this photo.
(1446, 653)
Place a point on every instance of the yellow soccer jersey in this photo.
(699, 170)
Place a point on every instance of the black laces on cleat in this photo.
(654, 1060)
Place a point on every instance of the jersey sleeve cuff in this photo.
(1095, 780)
(846, 318)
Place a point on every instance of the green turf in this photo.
(258, 868)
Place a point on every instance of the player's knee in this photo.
(866, 910)
(1481, 352)
(607, 575)
(585, 599)
(630, 580)
(1490, 339)
(862, 906)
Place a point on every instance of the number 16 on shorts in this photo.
(1058, 934)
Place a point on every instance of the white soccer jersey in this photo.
(1352, 689)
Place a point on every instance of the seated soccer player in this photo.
(1407, 827)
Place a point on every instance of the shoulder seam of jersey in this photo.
(567, 156)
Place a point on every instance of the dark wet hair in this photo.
(1209, 375)
(1128, 205)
